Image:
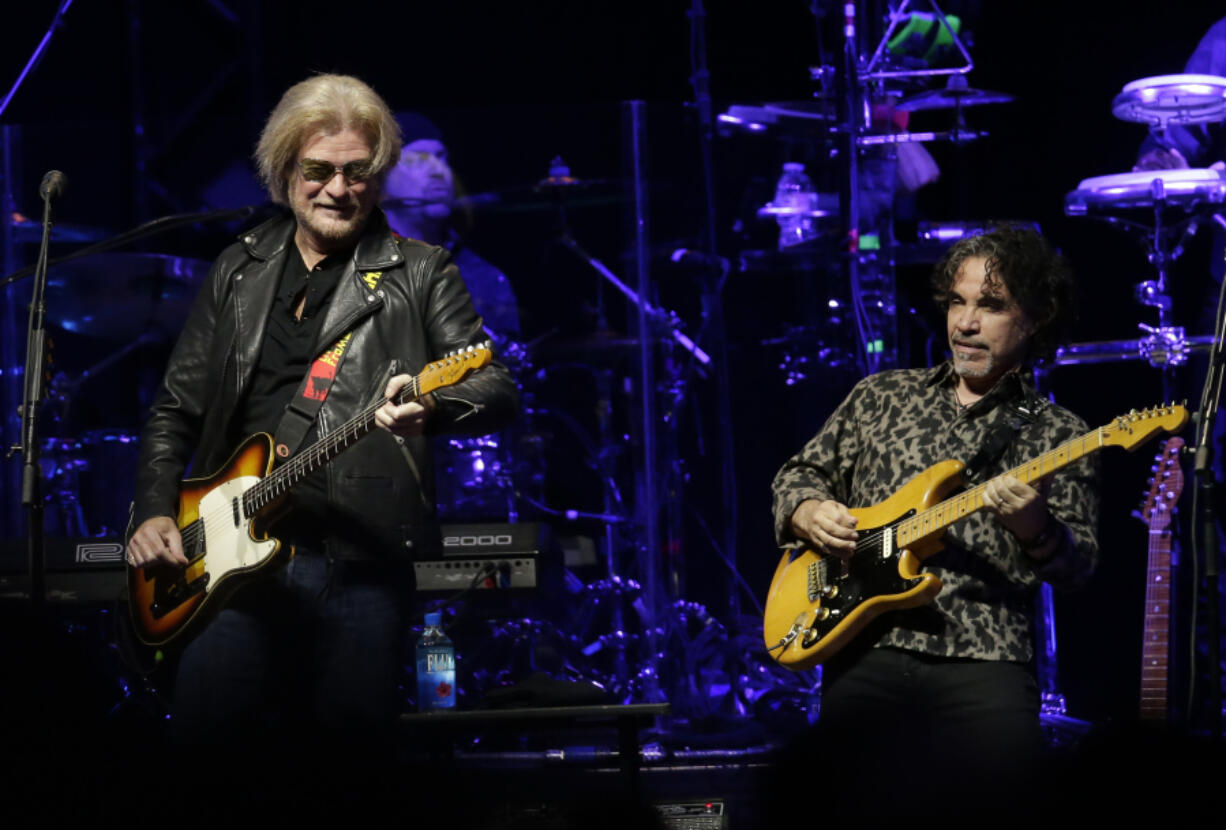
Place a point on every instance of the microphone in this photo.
(53, 185)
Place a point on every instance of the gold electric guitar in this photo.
(817, 604)
(219, 515)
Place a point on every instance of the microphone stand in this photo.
(29, 445)
(663, 320)
(1206, 521)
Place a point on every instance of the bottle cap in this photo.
(434, 618)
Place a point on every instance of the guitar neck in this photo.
(277, 483)
(1155, 652)
(940, 516)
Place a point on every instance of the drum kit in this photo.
(863, 139)
(1164, 208)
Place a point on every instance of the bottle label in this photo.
(435, 678)
(440, 661)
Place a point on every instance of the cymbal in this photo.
(791, 115)
(955, 95)
(122, 296)
(30, 230)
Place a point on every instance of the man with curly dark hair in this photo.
(1031, 272)
(952, 682)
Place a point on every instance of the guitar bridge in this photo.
(818, 581)
(177, 594)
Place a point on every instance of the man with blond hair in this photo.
(320, 640)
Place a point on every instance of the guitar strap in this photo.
(313, 390)
(1017, 416)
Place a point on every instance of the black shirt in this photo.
(290, 347)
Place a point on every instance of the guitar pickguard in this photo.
(229, 546)
(838, 588)
(218, 544)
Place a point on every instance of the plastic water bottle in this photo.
(435, 667)
(795, 192)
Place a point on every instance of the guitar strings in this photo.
(266, 490)
(934, 514)
(258, 495)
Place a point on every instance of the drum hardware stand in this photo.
(712, 297)
(899, 15)
(10, 354)
(855, 83)
(653, 322)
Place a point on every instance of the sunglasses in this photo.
(318, 170)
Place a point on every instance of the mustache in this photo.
(961, 341)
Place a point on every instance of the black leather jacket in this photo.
(381, 488)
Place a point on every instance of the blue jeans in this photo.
(314, 650)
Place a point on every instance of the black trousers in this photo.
(903, 733)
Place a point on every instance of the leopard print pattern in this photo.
(896, 424)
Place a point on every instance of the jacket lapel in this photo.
(255, 288)
(357, 295)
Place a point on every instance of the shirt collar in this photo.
(1012, 384)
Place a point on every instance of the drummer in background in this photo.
(1195, 145)
(420, 200)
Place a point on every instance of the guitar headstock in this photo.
(453, 368)
(1131, 430)
(1166, 486)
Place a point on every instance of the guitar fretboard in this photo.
(1165, 489)
(277, 483)
(940, 516)
(1155, 652)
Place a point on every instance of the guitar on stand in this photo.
(1159, 505)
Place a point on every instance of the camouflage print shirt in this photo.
(896, 424)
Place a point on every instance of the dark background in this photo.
(179, 90)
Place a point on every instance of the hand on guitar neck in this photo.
(406, 420)
(1022, 509)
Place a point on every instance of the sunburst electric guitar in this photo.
(1164, 491)
(817, 604)
(220, 515)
